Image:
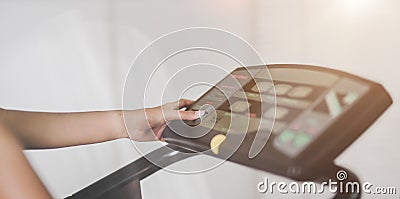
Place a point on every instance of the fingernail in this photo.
(200, 113)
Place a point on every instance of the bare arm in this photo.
(17, 180)
(20, 130)
(49, 130)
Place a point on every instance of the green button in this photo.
(286, 136)
(302, 140)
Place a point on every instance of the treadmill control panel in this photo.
(302, 112)
(304, 107)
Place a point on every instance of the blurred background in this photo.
(74, 55)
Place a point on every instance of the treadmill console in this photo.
(286, 119)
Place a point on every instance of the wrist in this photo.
(120, 128)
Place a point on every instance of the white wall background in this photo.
(74, 55)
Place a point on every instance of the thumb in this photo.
(184, 115)
(191, 115)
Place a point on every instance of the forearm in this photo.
(19, 130)
(48, 130)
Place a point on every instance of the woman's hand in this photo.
(49, 130)
(148, 124)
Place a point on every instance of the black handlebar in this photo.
(125, 183)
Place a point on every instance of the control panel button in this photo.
(293, 103)
(266, 125)
(300, 91)
(215, 143)
(286, 136)
(240, 106)
(262, 87)
(350, 98)
(301, 140)
(281, 89)
(281, 112)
